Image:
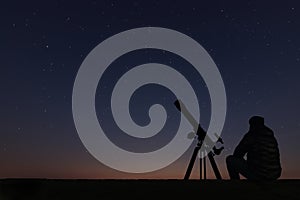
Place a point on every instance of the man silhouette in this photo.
(260, 147)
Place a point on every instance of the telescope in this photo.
(201, 134)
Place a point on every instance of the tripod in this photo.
(202, 163)
(200, 136)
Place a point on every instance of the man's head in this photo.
(256, 121)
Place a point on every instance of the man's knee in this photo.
(230, 159)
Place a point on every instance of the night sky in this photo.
(255, 45)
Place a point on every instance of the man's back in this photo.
(263, 155)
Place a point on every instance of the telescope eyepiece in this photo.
(177, 104)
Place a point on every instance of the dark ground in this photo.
(145, 189)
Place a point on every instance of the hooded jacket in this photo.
(261, 148)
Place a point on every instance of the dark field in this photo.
(144, 189)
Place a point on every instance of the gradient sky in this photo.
(255, 45)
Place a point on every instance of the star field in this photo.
(255, 45)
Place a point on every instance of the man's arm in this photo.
(243, 147)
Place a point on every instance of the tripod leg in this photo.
(214, 165)
(191, 164)
(204, 167)
(200, 168)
